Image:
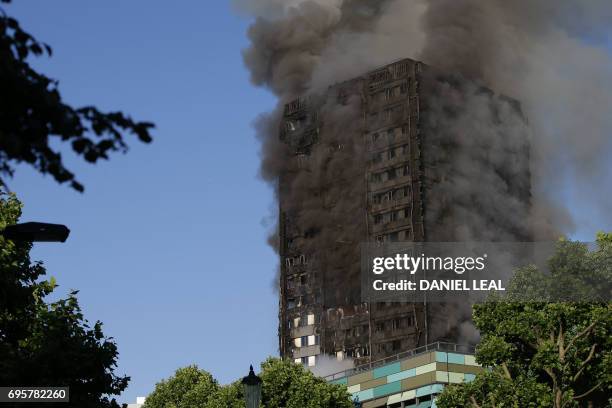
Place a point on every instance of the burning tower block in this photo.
(402, 153)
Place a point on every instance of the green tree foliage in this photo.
(546, 351)
(190, 387)
(32, 113)
(285, 385)
(290, 385)
(46, 343)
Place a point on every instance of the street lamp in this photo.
(36, 232)
(252, 389)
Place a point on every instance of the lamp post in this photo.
(252, 389)
(36, 232)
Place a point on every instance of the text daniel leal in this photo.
(448, 284)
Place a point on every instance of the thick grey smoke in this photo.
(550, 55)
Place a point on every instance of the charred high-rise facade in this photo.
(389, 156)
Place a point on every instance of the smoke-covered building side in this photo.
(389, 156)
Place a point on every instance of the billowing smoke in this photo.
(550, 55)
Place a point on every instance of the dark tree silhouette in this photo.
(32, 113)
(47, 342)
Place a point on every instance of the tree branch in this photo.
(589, 391)
(583, 365)
(506, 370)
(579, 335)
(474, 403)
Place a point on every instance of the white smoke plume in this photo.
(328, 365)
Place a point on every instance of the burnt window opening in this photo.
(311, 233)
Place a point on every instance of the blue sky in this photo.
(168, 243)
(167, 247)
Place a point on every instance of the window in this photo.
(303, 259)
(312, 340)
(391, 174)
(311, 319)
(391, 154)
(380, 326)
(396, 345)
(396, 323)
(388, 94)
(304, 341)
(289, 262)
(297, 361)
(394, 237)
(406, 170)
(302, 160)
(312, 360)
(296, 322)
(304, 360)
(297, 342)
(290, 303)
(339, 355)
(378, 218)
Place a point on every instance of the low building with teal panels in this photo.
(341, 381)
(387, 370)
(424, 374)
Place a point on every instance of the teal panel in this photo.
(387, 389)
(426, 390)
(433, 404)
(441, 357)
(456, 358)
(401, 375)
(437, 388)
(387, 370)
(341, 381)
(365, 395)
(469, 377)
(424, 404)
